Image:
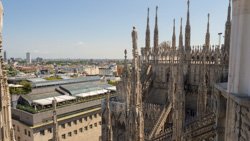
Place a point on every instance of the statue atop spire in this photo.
(188, 20)
(174, 36)
(207, 40)
(147, 40)
(134, 42)
(188, 32)
(181, 38)
(156, 34)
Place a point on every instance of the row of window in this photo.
(80, 120)
(80, 130)
(42, 132)
(16, 128)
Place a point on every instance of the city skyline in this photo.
(89, 30)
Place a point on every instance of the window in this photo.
(80, 120)
(90, 117)
(69, 124)
(95, 124)
(86, 128)
(80, 130)
(75, 122)
(90, 126)
(29, 133)
(63, 125)
(25, 131)
(75, 131)
(85, 118)
(42, 132)
(100, 123)
(63, 136)
(50, 130)
(18, 129)
(95, 115)
(18, 139)
(69, 134)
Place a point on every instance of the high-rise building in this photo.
(28, 58)
(5, 56)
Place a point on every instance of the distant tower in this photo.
(5, 56)
(6, 129)
(28, 58)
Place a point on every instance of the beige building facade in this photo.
(65, 110)
(70, 128)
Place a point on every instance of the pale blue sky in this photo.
(99, 28)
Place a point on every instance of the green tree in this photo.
(26, 86)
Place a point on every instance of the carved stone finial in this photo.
(148, 12)
(156, 9)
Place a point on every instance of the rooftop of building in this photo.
(80, 91)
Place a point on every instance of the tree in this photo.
(26, 86)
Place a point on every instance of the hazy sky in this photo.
(99, 28)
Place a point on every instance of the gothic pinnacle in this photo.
(148, 15)
(147, 40)
(207, 39)
(188, 21)
(134, 42)
(188, 32)
(125, 52)
(229, 12)
(148, 20)
(174, 37)
(208, 18)
(156, 19)
(180, 36)
(156, 29)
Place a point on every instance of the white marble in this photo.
(239, 68)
